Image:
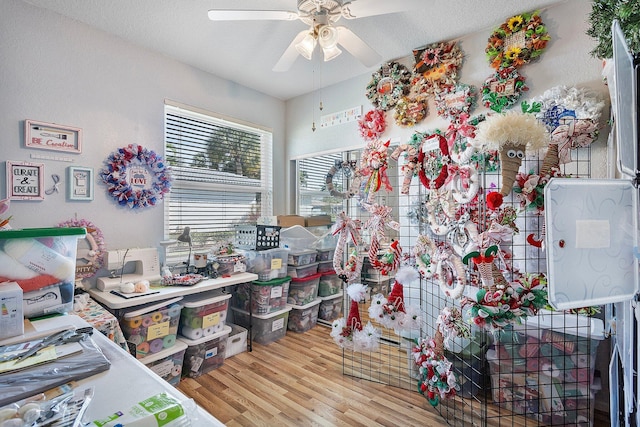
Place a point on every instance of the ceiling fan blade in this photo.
(357, 47)
(251, 15)
(362, 9)
(291, 54)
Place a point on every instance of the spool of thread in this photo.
(40, 258)
(134, 323)
(168, 341)
(174, 310)
(142, 349)
(147, 321)
(196, 322)
(156, 317)
(156, 345)
(136, 339)
(192, 333)
(173, 330)
(209, 331)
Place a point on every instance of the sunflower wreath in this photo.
(136, 177)
(436, 66)
(503, 89)
(388, 85)
(517, 41)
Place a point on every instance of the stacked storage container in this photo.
(168, 363)
(204, 331)
(303, 291)
(330, 308)
(151, 328)
(547, 373)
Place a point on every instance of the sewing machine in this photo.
(147, 267)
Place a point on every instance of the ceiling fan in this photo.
(320, 16)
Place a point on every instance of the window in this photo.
(222, 171)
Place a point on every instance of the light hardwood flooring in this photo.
(299, 381)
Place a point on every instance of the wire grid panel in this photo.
(497, 387)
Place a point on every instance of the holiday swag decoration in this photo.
(513, 134)
(373, 166)
(136, 177)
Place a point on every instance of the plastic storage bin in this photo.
(547, 372)
(302, 271)
(299, 258)
(203, 314)
(227, 265)
(237, 341)
(266, 328)
(168, 363)
(303, 318)
(325, 255)
(257, 237)
(297, 238)
(268, 264)
(265, 297)
(151, 328)
(205, 354)
(43, 263)
(325, 266)
(303, 291)
(330, 307)
(329, 284)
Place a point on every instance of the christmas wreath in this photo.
(388, 85)
(433, 158)
(517, 41)
(453, 101)
(136, 177)
(437, 379)
(503, 89)
(410, 111)
(372, 124)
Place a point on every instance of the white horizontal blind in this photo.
(222, 177)
(313, 194)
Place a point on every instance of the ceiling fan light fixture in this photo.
(328, 36)
(331, 53)
(306, 46)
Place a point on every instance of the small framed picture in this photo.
(50, 136)
(79, 183)
(25, 181)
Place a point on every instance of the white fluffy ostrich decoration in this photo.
(391, 311)
(349, 333)
(513, 134)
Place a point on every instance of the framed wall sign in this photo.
(25, 181)
(79, 183)
(50, 136)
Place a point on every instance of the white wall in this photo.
(57, 70)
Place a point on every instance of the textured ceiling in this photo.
(246, 51)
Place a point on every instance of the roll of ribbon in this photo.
(156, 345)
(168, 341)
(136, 339)
(209, 331)
(165, 318)
(192, 333)
(135, 323)
(174, 310)
(156, 317)
(196, 322)
(147, 321)
(142, 349)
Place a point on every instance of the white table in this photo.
(126, 383)
(116, 302)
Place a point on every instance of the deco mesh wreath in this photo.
(388, 85)
(503, 89)
(136, 177)
(436, 66)
(517, 41)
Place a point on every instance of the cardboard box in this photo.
(313, 221)
(290, 220)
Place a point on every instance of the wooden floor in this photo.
(299, 381)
